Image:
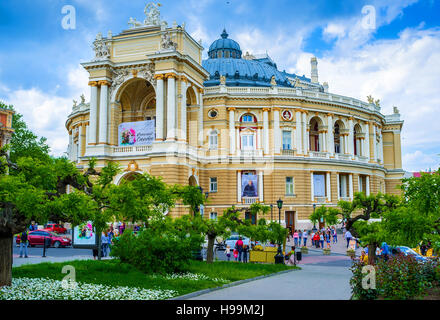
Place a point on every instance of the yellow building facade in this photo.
(233, 124)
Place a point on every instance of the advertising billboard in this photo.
(140, 133)
(249, 185)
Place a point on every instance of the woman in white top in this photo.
(305, 235)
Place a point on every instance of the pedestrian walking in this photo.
(327, 238)
(300, 235)
(235, 254)
(348, 237)
(305, 235)
(321, 240)
(239, 247)
(24, 241)
(104, 244)
(295, 238)
(335, 235)
(245, 253)
(385, 250)
(316, 238)
(228, 252)
(312, 238)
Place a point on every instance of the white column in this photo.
(350, 186)
(330, 136)
(367, 185)
(277, 132)
(237, 141)
(200, 125)
(231, 130)
(367, 141)
(381, 147)
(327, 180)
(159, 108)
(80, 141)
(337, 186)
(350, 137)
(93, 112)
(260, 186)
(299, 147)
(313, 187)
(183, 119)
(103, 112)
(305, 136)
(266, 130)
(239, 186)
(374, 144)
(71, 146)
(171, 107)
(346, 147)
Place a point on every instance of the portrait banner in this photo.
(249, 185)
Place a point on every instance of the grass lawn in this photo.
(113, 273)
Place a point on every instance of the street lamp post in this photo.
(271, 212)
(279, 258)
(314, 223)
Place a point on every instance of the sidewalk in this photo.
(39, 259)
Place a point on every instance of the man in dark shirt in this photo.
(249, 190)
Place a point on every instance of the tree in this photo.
(323, 213)
(370, 207)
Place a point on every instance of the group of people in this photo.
(318, 238)
(240, 251)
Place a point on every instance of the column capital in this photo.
(231, 108)
(350, 118)
(171, 75)
(276, 109)
(93, 83)
(103, 83)
(304, 111)
(159, 76)
(330, 114)
(266, 109)
(183, 78)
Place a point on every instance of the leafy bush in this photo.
(399, 278)
(155, 251)
(356, 283)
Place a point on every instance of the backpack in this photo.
(24, 237)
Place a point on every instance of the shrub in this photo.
(356, 283)
(155, 251)
(399, 278)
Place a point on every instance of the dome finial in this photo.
(224, 34)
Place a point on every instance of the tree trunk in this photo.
(372, 254)
(99, 245)
(210, 249)
(6, 260)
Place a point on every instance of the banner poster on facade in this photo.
(249, 185)
(140, 133)
(84, 235)
(319, 185)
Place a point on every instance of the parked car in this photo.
(234, 238)
(57, 228)
(37, 238)
(407, 252)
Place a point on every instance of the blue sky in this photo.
(397, 62)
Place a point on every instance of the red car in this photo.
(52, 227)
(37, 238)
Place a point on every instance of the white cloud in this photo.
(419, 161)
(45, 113)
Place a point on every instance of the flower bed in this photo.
(190, 276)
(47, 289)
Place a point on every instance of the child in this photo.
(236, 254)
(228, 252)
(245, 253)
(327, 236)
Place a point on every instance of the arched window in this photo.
(314, 135)
(337, 138)
(357, 143)
(248, 118)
